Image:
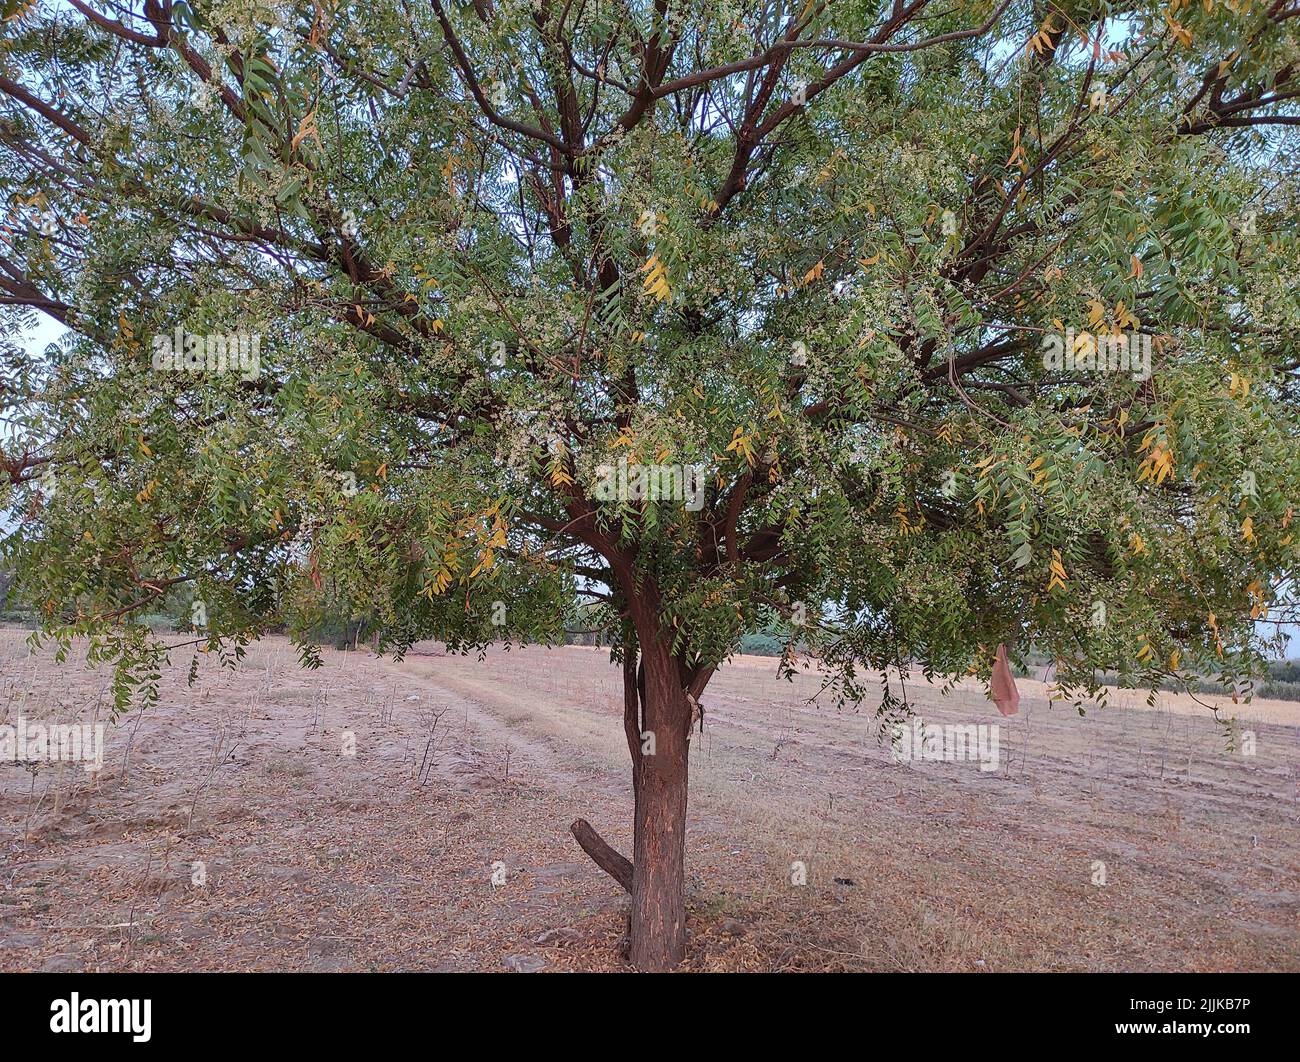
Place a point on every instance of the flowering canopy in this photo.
(839, 261)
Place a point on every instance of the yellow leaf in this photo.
(656, 279)
(1180, 32)
(306, 127)
(741, 444)
(1059, 578)
(1158, 465)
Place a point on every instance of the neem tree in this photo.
(850, 258)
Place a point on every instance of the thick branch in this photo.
(616, 866)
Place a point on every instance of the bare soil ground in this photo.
(313, 859)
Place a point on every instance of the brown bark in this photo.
(610, 861)
(659, 838)
(632, 714)
(656, 703)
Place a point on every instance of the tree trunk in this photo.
(659, 841)
(657, 721)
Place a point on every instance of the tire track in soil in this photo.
(493, 714)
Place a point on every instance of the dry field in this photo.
(310, 859)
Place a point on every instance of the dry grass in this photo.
(316, 860)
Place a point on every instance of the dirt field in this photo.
(228, 829)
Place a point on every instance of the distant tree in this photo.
(978, 318)
(762, 645)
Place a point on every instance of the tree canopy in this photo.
(820, 252)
